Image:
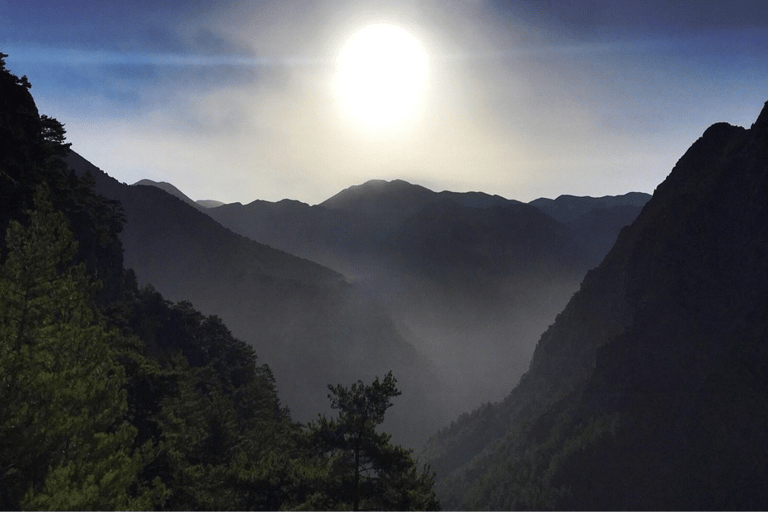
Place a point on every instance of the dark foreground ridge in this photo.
(650, 391)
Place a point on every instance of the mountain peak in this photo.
(379, 197)
(762, 119)
(169, 188)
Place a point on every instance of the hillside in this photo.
(649, 391)
(310, 325)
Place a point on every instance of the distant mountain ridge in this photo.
(306, 321)
(472, 278)
(386, 204)
(475, 278)
(650, 390)
(568, 208)
(167, 187)
(398, 199)
(171, 189)
(370, 212)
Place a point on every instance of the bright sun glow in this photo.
(381, 74)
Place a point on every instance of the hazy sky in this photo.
(237, 100)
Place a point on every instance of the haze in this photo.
(235, 101)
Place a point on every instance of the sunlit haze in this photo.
(240, 100)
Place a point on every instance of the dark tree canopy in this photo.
(364, 469)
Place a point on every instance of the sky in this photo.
(239, 100)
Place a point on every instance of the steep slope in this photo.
(304, 320)
(91, 380)
(650, 389)
(598, 229)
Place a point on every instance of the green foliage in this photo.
(65, 444)
(196, 424)
(524, 472)
(223, 440)
(362, 468)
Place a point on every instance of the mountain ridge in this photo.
(169, 188)
(652, 379)
(492, 278)
(568, 208)
(305, 320)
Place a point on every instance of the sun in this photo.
(381, 75)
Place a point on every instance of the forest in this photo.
(115, 398)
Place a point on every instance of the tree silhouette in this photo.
(364, 468)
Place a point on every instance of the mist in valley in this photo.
(470, 281)
(450, 291)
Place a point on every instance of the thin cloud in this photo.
(235, 100)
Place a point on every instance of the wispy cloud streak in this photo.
(42, 55)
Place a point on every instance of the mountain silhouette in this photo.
(473, 278)
(171, 189)
(649, 391)
(568, 208)
(306, 321)
(167, 187)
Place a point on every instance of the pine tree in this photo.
(65, 444)
(363, 467)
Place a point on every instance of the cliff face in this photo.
(651, 388)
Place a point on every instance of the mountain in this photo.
(312, 232)
(167, 187)
(171, 189)
(567, 208)
(391, 200)
(649, 391)
(473, 278)
(311, 326)
(595, 221)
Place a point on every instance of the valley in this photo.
(468, 281)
